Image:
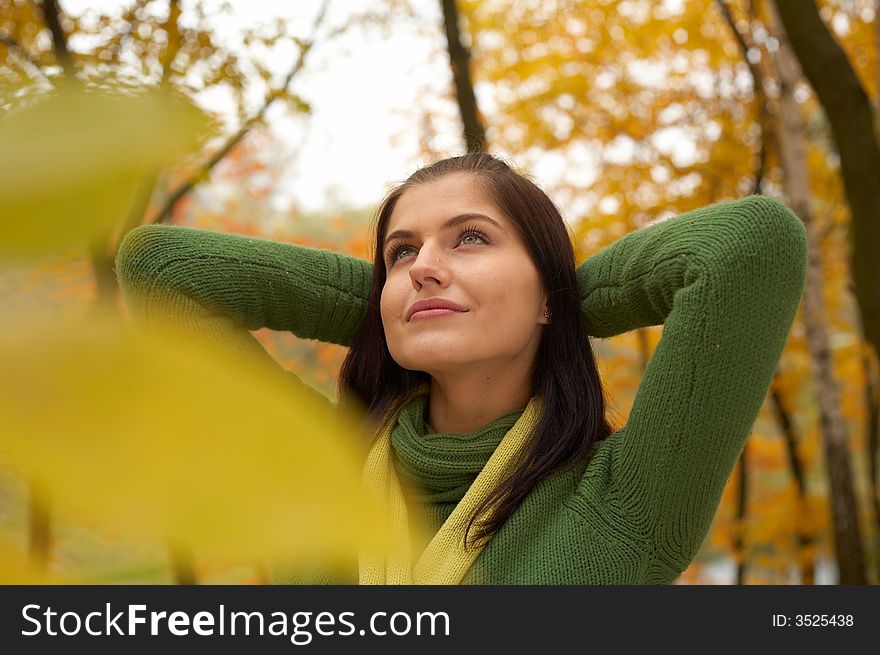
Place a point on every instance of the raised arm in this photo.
(224, 285)
(725, 281)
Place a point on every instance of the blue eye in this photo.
(396, 249)
(471, 233)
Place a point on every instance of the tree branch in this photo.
(175, 196)
(131, 25)
(172, 30)
(758, 87)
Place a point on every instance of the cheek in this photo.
(383, 306)
(511, 297)
(389, 302)
(532, 288)
(391, 309)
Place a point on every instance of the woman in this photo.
(490, 412)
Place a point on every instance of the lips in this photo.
(433, 303)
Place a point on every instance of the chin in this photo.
(429, 365)
(437, 350)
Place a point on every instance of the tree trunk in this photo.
(851, 118)
(644, 354)
(872, 442)
(742, 504)
(99, 247)
(805, 537)
(844, 507)
(52, 16)
(39, 527)
(102, 249)
(877, 71)
(183, 568)
(460, 63)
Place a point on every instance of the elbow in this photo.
(138, 254)
(775, 237)
(785, 231)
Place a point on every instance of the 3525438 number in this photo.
(822, 620)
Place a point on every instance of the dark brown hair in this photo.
(566, 378)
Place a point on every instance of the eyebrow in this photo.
(452, 222)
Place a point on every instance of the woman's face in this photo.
(479, 263)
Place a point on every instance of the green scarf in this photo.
(444, 560)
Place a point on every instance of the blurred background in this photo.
(626, 112)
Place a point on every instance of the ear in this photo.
(545, 310)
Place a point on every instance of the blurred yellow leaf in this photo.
(15, 569)
(72, 161)
(173, 439)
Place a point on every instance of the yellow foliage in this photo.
(649, 108)
(167, 438)
(73, 160)
(17, 569)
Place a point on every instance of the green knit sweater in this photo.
(725, 281)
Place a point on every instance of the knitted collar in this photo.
(445, 560)
(439, 467)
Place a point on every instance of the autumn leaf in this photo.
(72, 160)
(172, 439)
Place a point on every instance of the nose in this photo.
(429, 267)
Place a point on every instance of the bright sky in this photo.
(367, 92)
(362, 100)
(364, 90)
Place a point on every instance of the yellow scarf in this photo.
(445, 560)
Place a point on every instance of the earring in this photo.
(546, 313)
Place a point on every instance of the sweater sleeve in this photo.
(223, 285)
(725, 281)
